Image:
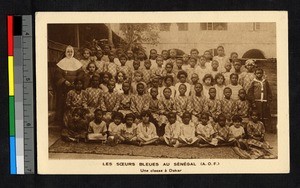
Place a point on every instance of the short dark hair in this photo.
(180, 73)
(237, 118)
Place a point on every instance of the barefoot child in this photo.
(205, 131)
(97, 128)
(187, 135)
(128, 131)
(256, 132)
(146, 131)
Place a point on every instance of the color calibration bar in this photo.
(10, 39)
(21, 96)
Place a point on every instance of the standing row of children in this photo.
(191, 86)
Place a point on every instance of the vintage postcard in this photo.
(162, 92)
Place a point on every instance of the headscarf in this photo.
(69, 63)
(250, 62)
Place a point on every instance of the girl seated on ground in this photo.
(187, 135)
(128, 131)
(76, 127)
(113, 128)
(172, 130)
(146, 131)
(256, 132)
(205, 131)
(237, 132)
(223, 131)
(97, 128)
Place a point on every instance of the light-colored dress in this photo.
(172, 131)
(146, 133)
(188, 132)
(97, 131)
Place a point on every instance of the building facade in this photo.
(235, 37)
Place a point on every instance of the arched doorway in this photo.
(254, 54)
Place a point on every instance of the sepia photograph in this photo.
(132, 91)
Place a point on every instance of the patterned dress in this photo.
(147, 74)
(74, 100)
(125, 103)
(256, 133)
(206, 133)
(197, 106)
(112, 68)
(246, 79)
(139, 103)
(91, 100)
(228, 108)
(222, 132)
(182, 104)
(110, 101)
(126, 70)
(166, 105)
(213, 107)
(242, 108)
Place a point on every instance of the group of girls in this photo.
(165, 99)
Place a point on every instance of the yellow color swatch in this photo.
(11, 75)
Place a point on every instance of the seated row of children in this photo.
(176, 133)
